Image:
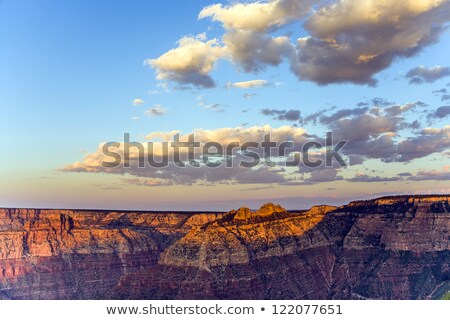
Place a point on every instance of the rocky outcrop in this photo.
(390, 248)
(387, 248)
(267, 232)
(72, 254)
(269, 210)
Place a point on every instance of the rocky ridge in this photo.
(386, 248)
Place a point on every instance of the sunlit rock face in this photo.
(73, 254)
(242, 236)
(387, 248)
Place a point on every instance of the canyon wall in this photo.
(387, 248)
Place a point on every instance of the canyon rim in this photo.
(393, 247)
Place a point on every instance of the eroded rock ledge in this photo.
(386, 248)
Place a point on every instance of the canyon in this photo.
(395, 247)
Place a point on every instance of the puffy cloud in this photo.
(246, 41)
(171, 174)
(189, 63)
(376, 135)
(138, 102)
(256, 133)
(351, 40)
(368, 135)
(156, 111)
(348, 41)
(249, 84)
(429, 141)
(247, 25)
(382, 146)
(364, 127)
(342, 15)
(422, 74)
(257, 16)
(254, 51)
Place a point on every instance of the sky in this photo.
(75, 75)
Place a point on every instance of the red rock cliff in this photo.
(389, 248)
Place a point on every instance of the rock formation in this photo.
(387, 248)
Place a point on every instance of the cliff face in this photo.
(391, 248)
(67, 254)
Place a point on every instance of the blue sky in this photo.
(71, 69)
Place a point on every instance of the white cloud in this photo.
(348, 41)
(189, 175)
(138, 102)
(255, 133)
(246, 41)
(249, 84)
(189, 63)
(257, 16)
(369, 137)
(351, 40)
(156, 112)
(254, 51)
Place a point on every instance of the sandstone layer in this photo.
(387, 248)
